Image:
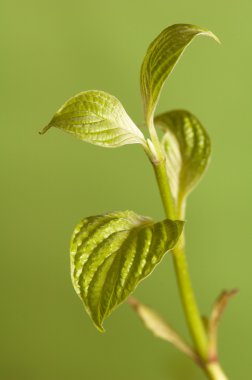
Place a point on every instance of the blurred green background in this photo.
(51, 50)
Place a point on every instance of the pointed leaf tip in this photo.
(214, 37)
(45, 129)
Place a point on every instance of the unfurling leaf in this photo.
(98, 118)
(187, 147)
(160, 59)
(112, 253)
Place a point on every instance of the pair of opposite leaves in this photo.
(113, 252)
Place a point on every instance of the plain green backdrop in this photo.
(51, 50)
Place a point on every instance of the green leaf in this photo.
(187, 147)
(98, 118)
(112, 253)
(160, 59)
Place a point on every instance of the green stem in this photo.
(191, 310)
(190, 306)
(192, 314)
(164, 189)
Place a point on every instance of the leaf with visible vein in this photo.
(98, 118)
(160, 59)
(112, 253)
(187, 147)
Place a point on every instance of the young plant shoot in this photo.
(111, 253)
